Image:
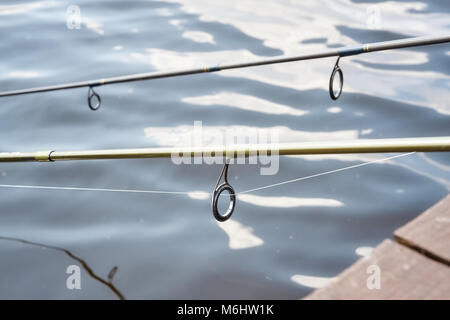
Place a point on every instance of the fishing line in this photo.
(91, 189)
(201, 192)
(327, 172)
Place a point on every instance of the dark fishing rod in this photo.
(335, 93)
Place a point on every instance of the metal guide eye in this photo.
(225, 186)
(335, 93)
(91, 95)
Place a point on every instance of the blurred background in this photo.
(281, 243)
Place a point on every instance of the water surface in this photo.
(281, 242)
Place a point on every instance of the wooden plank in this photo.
(404, 274)
(430, 232)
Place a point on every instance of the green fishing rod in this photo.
(94, 99)
(420, 144)
(229, 153)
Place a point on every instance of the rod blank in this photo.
(429, 144)
(341, 52)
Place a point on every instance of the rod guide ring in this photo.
(92, 94)
(336, 70)
(225, 186)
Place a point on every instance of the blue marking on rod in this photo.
(215, 68)
(95, 83)
(350, 51)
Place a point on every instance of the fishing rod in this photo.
(335, 93)
(427, 144)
